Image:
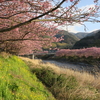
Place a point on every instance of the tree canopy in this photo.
(32, 23)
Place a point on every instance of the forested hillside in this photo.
(92, 40)
(81, 35)
(68, 40)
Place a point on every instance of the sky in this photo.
(80, 28)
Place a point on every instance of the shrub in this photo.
(57, 84)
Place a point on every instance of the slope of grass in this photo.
(66, 84)
(18, 83)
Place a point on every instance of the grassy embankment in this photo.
(18, 83)
(66, 84)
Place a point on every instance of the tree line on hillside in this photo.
(91, 40)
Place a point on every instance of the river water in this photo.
(73, 66)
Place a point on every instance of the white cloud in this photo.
(70, 28)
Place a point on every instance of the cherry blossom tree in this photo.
(27, 25)
(27, 38)
(86, 52)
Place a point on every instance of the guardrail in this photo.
(35, 55)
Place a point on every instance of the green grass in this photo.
(65, 87)
(34, 80)
(66, 84)
(18, 83)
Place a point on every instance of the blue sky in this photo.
(80, 28)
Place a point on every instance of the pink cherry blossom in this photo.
(93, 51)
(27, 25)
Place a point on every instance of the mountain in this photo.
(68, 40)
(91, 40)
(67, 36)
(81, 35)
(93, 33)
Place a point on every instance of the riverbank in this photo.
(64, 83)
(88, 64)
(76, 66)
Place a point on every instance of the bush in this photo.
(59, 85)
(48, 77)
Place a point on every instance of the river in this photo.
(73, 66)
